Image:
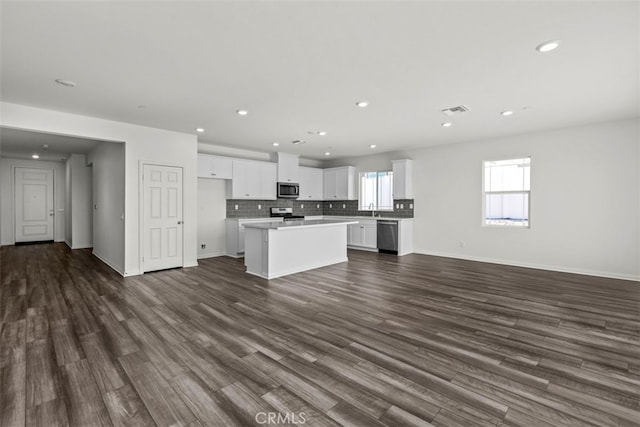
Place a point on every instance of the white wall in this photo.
(212, 211)
(68, 205)
(585, 199)
(6, 197)
(79, 224)
(242, 153)
(142, 144)
(108, 203)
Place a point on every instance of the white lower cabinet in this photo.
(364, 234)
(235, 233)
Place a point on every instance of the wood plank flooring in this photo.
(377, 341)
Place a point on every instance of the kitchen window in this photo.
(376, 191)
(506, 192)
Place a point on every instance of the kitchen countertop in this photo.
(298, 224)
(389, 218)
(329, 217)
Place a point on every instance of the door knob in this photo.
(179, 222)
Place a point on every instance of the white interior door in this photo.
(34, 210)
(162, 216)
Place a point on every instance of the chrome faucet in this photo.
(373, 212)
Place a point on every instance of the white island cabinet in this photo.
(278, 249)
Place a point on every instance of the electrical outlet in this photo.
(203, 246)
(410, 205)
(259, 207)
(318, 206)
(236, 206)
(330, 205)
(401, 205)
(462, 243)
(344, 206)
(301, 205)
(397, 205)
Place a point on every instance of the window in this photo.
(506, 192)
(376, 191)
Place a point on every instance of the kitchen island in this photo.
(278, 249)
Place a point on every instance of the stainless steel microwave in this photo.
(288, 190)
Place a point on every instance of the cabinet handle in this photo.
(213, 174)
(247, 195)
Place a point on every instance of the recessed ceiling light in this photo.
(35, 156)
(67, 83)
(548, 46)
(362, 104)
(372, 146)
(446, 125)
(242, 112)
(322, 133)
(275, 144)
(200, 130)
(326, 153)
(298, 142)
(506, 113)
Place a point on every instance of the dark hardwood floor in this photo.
(380, 340)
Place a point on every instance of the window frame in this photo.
(483, 220)
(376, 208)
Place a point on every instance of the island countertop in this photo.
(307, 223)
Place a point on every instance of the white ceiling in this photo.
(301, 66)
(20, 144)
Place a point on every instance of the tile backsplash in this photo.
(403, 208)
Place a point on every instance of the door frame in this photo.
(14, 221)
(141, 165)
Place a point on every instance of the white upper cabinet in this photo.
(402, 179)
(253, 180)
(311, 183)
(210, 166)
(288, 170)
(339, 183)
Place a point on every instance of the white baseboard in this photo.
(211, 255)
(113, 267)
(191, 264)
(85, 246)
(360, 248)
(596, 273)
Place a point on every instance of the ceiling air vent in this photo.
(298, 142)
(454, 111)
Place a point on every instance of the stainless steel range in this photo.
(286, 214)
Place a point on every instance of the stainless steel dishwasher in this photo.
(388, 236)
